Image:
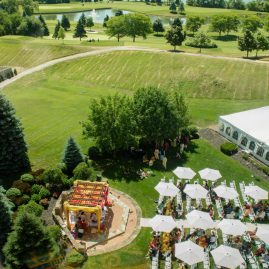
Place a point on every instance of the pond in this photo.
(98, 15)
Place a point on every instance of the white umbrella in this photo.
(226, 192)
(161, 223)
(227, 257)
(232, 227)
(195, 191)
(184, 173)
(200, 220)
(256, 192)
(210, 174)
(189, 252)
(166, 189)
(263, 233)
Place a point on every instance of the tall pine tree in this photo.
(65, 23)
(44, 25)
(28, 235)
(72, 155)
(13, 149)
(80, 31)
(56, 30)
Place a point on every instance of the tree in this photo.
(44, 25)
(231, 23)
(173, 8)
(65, 23)
(247, 42)
(89, 22)
(111, 123)
(106, 19)
(266, 24)
(261, 43)
(61, 34)
(218, 24)
(252, 23)
(80, 31)
(181, 8)
(5, 219)
(116, 27)
(118, 13)
(30, 26)
(137, 25)
(28, 7)
(56, 30)
(177, 22)
(175, 36)
(159, 115)
(72, 155)
(194, 23)
(83, 19)
(201, 40)
(10, 6)
(13, 149)
(28, 235)
(158, 26)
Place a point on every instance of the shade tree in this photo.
(158, 26)
(247, 42)
(194, 23)
(116, 27)
(175, 36)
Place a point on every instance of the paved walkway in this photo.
(111, 49)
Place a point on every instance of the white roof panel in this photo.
(254, 122)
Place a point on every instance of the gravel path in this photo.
(111, 49)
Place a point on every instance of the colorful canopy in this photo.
(161, 223)
(227, 257)
(189, 252)
(210, 174)
(226, 192)
(195, 191)
(184, 172)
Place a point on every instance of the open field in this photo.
(25, 52)
(59, 96)
(136, 7)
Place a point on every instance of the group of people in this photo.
(260, 210)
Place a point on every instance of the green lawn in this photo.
(59, 96)
(136, 7)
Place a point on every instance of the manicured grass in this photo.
(136, 7)
(59, 96)
(24, 52)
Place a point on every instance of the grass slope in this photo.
(59, 96)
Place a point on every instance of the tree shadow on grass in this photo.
(125, 167)
(226, 38)
(176, 51)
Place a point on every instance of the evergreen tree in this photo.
(61, 34)
(44, 25)
(247, 42)
(181, 8)
(80, 31)
(158, 26)
(13, 149)
(28, 235)
(175, 36)
(65, 23)
(261, 43)
(83, 19)
(72, 155)
(173, 8)
(105, 21)
(56, 30)
(89, 22)
(5, 219)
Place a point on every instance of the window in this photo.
(222, 127)
(244, 141)
(235, 135)
(252, 145)
(228, 131)
(260, 151)
(267, 156)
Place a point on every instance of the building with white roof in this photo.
(249, 130)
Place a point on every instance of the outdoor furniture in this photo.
(162, 223)
(184, 173)
(232, 227)
(210, 174)
(200, 220)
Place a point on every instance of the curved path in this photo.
(111, 49)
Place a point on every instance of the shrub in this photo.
(24, 187)
(94, 153)
(265, 170)
(44, 193)
(62, 167)
(36, 189)
(1, 78)
(27, 178)
(13, 192)
(33, 208)
(74, 258)
(193, 131)
(82, 171)
(245, 156)
(36, 198)
(15, 72)
(25, 198)
(229, 148)
(68, 182)
(55, 232)
(53, 176)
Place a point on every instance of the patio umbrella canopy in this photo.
(166, 189)
(263, 233)
(226, 192)
(195, 191)
(256, 193)
(210, 174)
(232, 227)
(189, 252)
(162, 223)
(184, 172)
(200, 220)
(227, 257)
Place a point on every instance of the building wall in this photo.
(245, 141)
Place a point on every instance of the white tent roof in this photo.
(252, 122)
